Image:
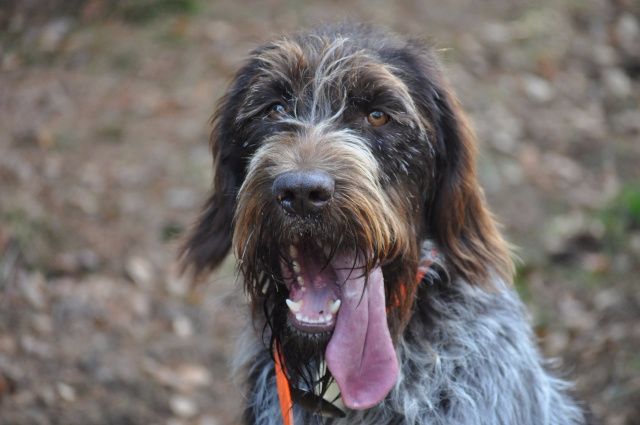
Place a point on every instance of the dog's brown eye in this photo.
(377, 118)
(277, 110)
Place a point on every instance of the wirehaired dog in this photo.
(380, 288)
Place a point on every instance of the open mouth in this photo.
(314, 291)
(333, 293)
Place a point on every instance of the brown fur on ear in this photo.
(458, 217)
(209, 240)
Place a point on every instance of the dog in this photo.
(379, 285)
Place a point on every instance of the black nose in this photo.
(303, 193)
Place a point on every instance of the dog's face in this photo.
(337, 153)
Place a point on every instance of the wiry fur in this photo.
(403, 191)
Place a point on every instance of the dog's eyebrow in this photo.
(388, 94)
(263, 91)
(328, 72)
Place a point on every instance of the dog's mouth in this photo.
(314, 291)
(333, 292)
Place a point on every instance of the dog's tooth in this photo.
(300, 280)
(328, 318)
(335, 306)
(327, 250)
(293, 305)
(293, 251)
(265, 287)
(296, 267)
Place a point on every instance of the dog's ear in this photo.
(209, 240)
(456, 213)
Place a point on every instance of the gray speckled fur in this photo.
(467, 357)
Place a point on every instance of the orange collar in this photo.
(284, 391)
(282, 382)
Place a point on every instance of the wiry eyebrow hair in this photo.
(333, 75)
(263, 92)
(377, 86)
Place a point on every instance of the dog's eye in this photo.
(277, 110)
(377, 118)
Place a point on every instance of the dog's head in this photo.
(336, 154)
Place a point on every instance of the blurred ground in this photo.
(103, 162)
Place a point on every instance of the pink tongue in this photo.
(360, 354)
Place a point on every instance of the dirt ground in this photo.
(104, 109)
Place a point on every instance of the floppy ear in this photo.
(457, 215)
(209, 240)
